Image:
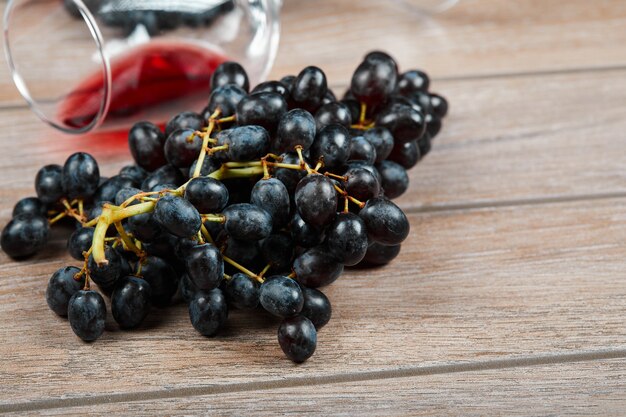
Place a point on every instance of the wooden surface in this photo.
(508, 297)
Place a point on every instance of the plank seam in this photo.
(414, 371)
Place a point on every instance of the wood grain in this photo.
(481, 284)
(579, 389)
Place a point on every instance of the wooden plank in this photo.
(562, 142)
(479, 284)
(477, 37)
(579, 389)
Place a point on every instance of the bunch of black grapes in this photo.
(255, 202)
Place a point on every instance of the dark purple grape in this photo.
(412, 81)
(61, 287)
(242, 292)
(432, 129)
(167, 174)
(246, 252)
(48, 184)
(106, 275)
(187, 289)
(281, 296)
(347, 239)
(204, 266)
(146, 141)
(374, 80)
(272, 196)
(439, 106)
(296, 128)
(382, 141)
(125, 193)
(184, 121)
(24, 236)
(395, 180)
(230, 73)
(329, 97)
(288, 81)
(316, 200)
(162, 278)
(333, 113)
(245, 143)
(144, 227)
(309, 88)
(386, 223)
(177, 215)
(131, 302)
(304, 234)
(225, 98)
(361, 183)
(332, 143)
(378, 254)
(109, 189)
(406, 154)
(278, 250)
(136, 173)
(289, 177)
(208, 312)
(404, 122)
(297, 338)
(272, 87)
(316, 307)
(80, 241)
(263, 109)
(29, 206)
(87, 314)
(381, 56)
(247, 222)
(362, 150)
(81, 176)
(182, 148)
(317, 267)
(208, 195)
(210, 164)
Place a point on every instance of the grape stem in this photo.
(206, 138)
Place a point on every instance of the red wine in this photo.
(148, 82)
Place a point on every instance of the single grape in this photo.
(272, 196)
(296, 128)
(288, 81)
(378, 254)
(162, 278)
(362, 150)
(125, 193)
(347, 239)
(317, 267)
(361, 183)
(404, 122)
(230, 73)
(353, 106)
(333, 113)
(245, 143)
(208, 195)
(395, 180)
(329, 97)
(309, 88)
(108, 190)
(184, 121)
(272, 87)
(412, 81)
(277, 250)
(30, 206)
(48, 184)
(242, 292)
(432, 129)
(106, 275)
(144, 227)
(366, 166)
(374, 80)
(182, 148)
(381, 56)
(167, 174)
(289, 177)
(439, 106)
(225, 98)
(263, 109)
(24, 236)
(316, 307)
(316, 200)
(304, 234)
(61, 287)
(87, 314)
(281, 296)
(210, 164)
(332, 143)
(406, 154)
(208, 312)
(247, 221)
(297, 338)
(386, 223)
(177, 215)
(130, 302)
(136, 173)
(204, 266)
(187, 289)
(81, 176)
(80, 241)
(246, 252)
(146, 141)
(382, 141)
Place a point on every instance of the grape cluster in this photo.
(255, 202)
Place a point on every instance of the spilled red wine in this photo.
(147, 82)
